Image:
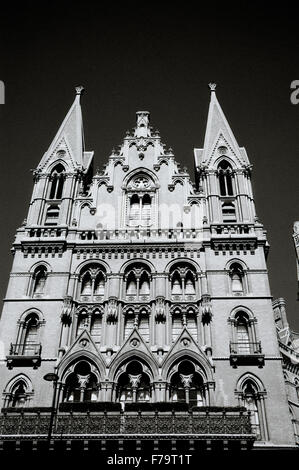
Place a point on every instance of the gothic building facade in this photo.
(147, 297)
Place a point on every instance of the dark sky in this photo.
(159, 57)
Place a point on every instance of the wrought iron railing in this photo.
(245, 348)
(25, 349)
(127, 423)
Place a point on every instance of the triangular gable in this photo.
(83, 343)
(186, 343)
(134, 344)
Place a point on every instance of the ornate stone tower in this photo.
(147, 295)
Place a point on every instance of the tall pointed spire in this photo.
(70, 136)
(219, 133)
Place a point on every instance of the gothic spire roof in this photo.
(219, 134)
(70, 137)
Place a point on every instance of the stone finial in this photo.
(79, 90)
(212, 86)
(142, 124)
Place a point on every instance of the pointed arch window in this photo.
(225, 178)
(242, 334)
(245, 349)
(31, 334)
(140, 200)
(134, 384)
(81, 385)
(186, 385)
(137, 283)
(39, 280)
(236, 274)
(251, 395)
(57, 182)
(18, 396)
(183, 282)
(92, 283)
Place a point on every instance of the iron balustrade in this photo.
(25, 349)
(245, 348)
(127, 423)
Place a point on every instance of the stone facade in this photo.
(138, 287)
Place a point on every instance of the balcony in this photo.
(218, 425)
(27, 354)
(246, 353)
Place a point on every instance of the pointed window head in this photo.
(225, 178)
(39, 279)
(57, 182)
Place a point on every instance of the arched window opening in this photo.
(96, 328)
(176, 284)
(134, 384)
(81, 385)
(129, 324)
(30, 335)
(250, 401)
(57, 178)
(131, 284)
(177, 324)
(225, 178)
(242, 333)
(186, 385)
(189, 284)
(134, 214)
(52, 215)
(39, 280)
(19, 395)
(92, 283)
(237, 277)
(228, 212)
(140, 194)
(146, 209)
(99, 286)
(86, 288)
(83, 322)
(183, 282)
(144, 284)
(137, 282)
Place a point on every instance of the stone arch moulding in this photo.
(14, 380)
(183, 260)
(68, 361)
(122, 360)
(241, 308)
(29, 311)
(237, 261)
(40, 264)
(146, 369)
(143, 261)
(99, 263)
(141, 170)
(201, 360)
